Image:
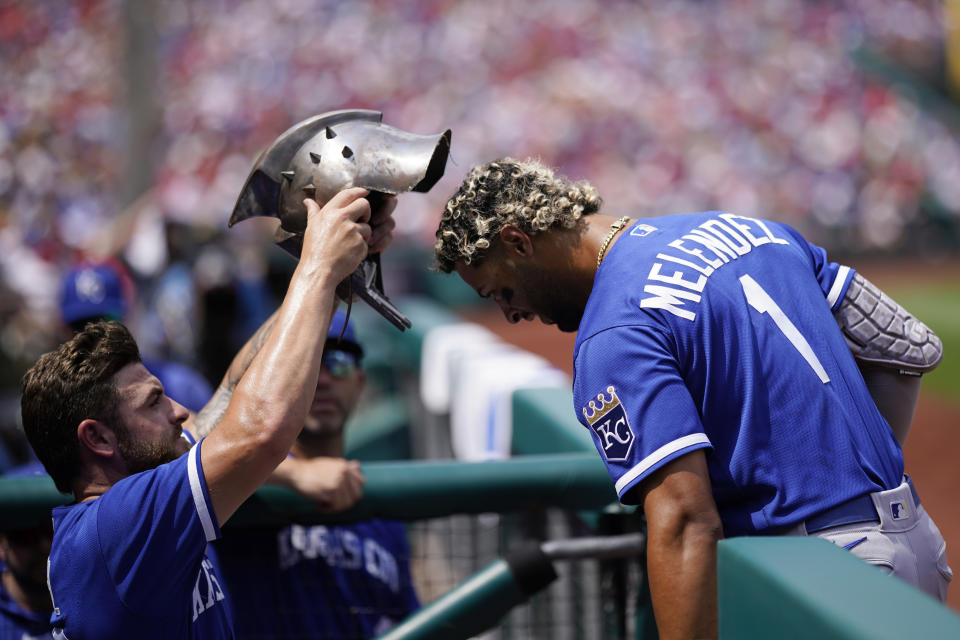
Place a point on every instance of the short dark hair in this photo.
(69, 385)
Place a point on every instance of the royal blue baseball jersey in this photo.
(348, 581)
(715, 331)
(18, 624)
(135, 563)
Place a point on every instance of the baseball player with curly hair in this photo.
(713, 367)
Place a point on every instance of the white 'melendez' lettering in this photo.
(727, 240)
(197, 600)
(733, 239)
(676, 278)
(353, 555)
(766, 230)
(724, 251)
(678, 244)
(669, 299)
(704, 270)
(744, 229)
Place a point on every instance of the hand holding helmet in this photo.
(323, 155)
(337, 235)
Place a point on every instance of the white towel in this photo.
(443, 348)
(481, 414)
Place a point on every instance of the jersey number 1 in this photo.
(762, 302)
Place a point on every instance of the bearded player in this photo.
(129, 557)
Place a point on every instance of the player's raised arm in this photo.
(271, 399)
(201, 424)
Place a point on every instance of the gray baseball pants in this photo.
(905, 542)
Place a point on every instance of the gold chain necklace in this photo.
(616, 226)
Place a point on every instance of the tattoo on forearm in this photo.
(213, 411)
(241, 362)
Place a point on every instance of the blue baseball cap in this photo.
(92, 291)
(349, 340)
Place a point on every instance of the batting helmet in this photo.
(327, 153)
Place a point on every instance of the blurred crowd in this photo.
(754, 106)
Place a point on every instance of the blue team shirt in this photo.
(19, 624)
(343, 582)
(15, 622)
(715, 331)
(134, 563)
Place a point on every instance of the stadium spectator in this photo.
(766, 104)
(129, 557)
(25, 605)
(342, 581)
(102, 291)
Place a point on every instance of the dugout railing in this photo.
(593, 597)
(469, 521)
(768, 587)
(471, 528)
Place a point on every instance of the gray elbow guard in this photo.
(881, 332)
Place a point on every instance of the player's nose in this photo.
(511, 314)
(324, 378)
(180, 413)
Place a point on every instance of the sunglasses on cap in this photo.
(339, 364)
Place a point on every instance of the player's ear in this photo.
(97, 437)
(516, 241)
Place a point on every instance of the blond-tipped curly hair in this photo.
(525, 194)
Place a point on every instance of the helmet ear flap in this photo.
(256, 197)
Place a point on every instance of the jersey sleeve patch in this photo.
(630, 394)
(608, 419)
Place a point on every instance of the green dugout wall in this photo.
(793, 588)
(768, 587)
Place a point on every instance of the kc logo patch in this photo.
(609, 421)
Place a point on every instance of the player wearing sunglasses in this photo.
(322, 581)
